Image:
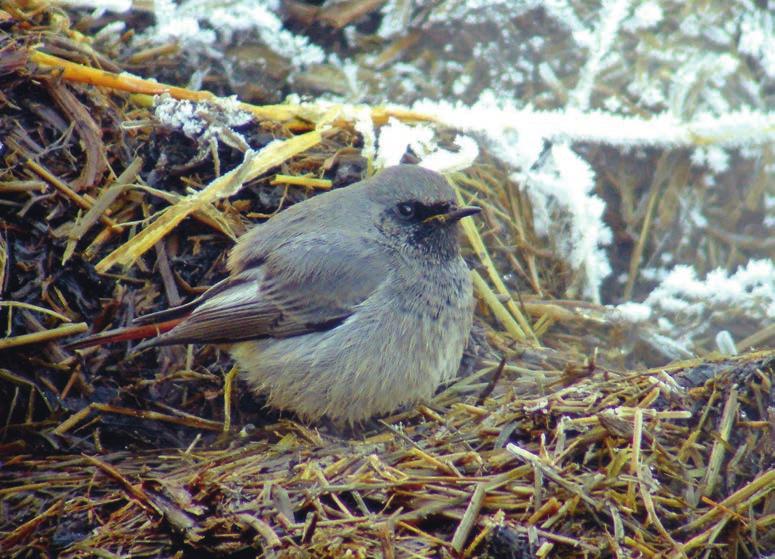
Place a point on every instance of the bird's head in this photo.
(416, 212)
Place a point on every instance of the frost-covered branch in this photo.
(740, 128)
(612, 14)
(684, 307)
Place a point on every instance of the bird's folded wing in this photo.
(186, 308)
(309, 284)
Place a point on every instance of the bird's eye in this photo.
(406, 210)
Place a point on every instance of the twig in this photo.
(228, 382)
(469, 518)
(65, 189)
(35, 308)
(493, 382)
(253, 165)
(719, 446)
(44, 335)
(308, 182)
(135, 491)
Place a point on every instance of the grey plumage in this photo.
(347, 305)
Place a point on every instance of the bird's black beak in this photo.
(453, 213)
(457, 213)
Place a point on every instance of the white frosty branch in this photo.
(613, 12)
(736, 129)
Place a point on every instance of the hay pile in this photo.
(547, 446)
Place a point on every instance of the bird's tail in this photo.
(125, 334)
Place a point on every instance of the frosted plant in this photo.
(205, 29)
(722, 306)
(205, 122)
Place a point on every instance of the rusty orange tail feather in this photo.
(125, 334)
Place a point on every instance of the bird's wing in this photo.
(186, 308)
(308, 284)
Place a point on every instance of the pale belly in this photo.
(373, 363)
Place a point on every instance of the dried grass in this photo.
(548, 447)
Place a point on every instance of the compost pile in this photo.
(554, 441)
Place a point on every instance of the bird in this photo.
(346, 306)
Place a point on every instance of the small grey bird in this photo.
(347, 305)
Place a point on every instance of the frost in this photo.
(395, 137)
(364, 125)
(704, 66)
(444, 161)
(718, 159)
(519, 135)
(725, 343)
(460, 84)
(180, 115)
(117, 6)
(757, 38)
(560, 192)
(472, 11)
(634, 312)
(202, 23)
(688, 307)
(733, 129)
(645, 16)
(715, 158)
(185, 29)
(395, 18)
(649, 93)
(696, 217)
(565, 15)
(613, 12)
(204, 121)
(691, 25)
